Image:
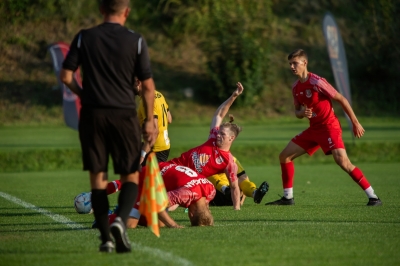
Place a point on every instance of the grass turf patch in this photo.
(329, 225)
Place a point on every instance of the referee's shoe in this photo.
(118, 231)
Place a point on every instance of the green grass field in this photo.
(329, 225)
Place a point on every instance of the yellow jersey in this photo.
(160, 112)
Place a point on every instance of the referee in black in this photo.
(110, 57)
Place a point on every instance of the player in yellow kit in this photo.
(162, 117)
(247, 188)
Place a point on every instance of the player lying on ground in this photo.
(312, 99)
(210, 158)
(185, 188)
(247, 188)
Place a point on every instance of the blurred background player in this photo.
(247, 188)
(312, 99)
(162, 117)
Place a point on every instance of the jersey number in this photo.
(189, 172)
(164, 115)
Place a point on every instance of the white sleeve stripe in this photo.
(79, 40)
(140, 45)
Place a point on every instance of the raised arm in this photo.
(224, 107)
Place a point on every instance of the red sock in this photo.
(359, 178)
(287, 174)
(113, 186)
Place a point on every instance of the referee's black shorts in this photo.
(114, 132)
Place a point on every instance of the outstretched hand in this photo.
(239, 89)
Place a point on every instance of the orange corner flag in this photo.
(154, 197)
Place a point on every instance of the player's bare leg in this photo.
(340, 157)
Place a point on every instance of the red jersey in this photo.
(183, 185)
(207, 159)
(316, 93)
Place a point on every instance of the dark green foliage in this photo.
(238, 40)
(234, 37)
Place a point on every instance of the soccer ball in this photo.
(83, 203)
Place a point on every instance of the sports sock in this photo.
(359, 178)
(288, 193)
(370, 193)
(126, 199)
(113, 186)
(248, 188)
(287, 179)
(100, 207)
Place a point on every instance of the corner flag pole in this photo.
(338, 59)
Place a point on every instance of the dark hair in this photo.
(232, 127)
(112, 7)
(297, 53)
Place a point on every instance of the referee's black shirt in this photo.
(110, 56)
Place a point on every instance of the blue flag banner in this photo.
(337, 57)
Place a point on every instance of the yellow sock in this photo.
(247, 187)
(219, 181)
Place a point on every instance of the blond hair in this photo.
(202, 218)
(234, 128)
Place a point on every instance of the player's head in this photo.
(115, 7)
(228, 132)
(200, 214)
(298, 61)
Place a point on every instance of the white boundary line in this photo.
(166, 256)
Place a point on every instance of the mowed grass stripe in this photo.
(56, 217)
(166, 256)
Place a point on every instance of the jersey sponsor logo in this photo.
(308, 93)
(196, 182)
(315, 88)
(219, 160)
(165, 168)
(200, 160)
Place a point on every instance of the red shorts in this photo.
(312, 139)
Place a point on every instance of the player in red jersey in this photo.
(312, 99)
(185, 188)
(210, 158)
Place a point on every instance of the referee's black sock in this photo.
(100, 207)
(126, 199)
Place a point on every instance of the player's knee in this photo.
(283, 157)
